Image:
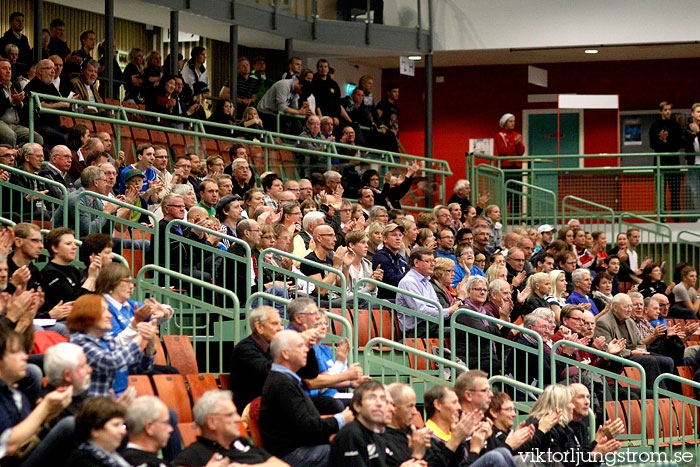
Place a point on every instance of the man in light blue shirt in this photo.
(417, 281)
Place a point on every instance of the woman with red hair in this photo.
(89, 323)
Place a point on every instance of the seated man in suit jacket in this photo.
(618, 324)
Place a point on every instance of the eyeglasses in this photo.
(430, 261)
(326, 235)
(485, 391)
(268, 237)
(176, 206)
(480, 290)
(518, 260)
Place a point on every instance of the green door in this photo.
(542, 141)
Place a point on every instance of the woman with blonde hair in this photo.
(441, 280)
(376, 242)
(540, 285)
(557, 297)
(552, 413)
(496, 271)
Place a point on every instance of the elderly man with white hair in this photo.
(526, 368)
(618, 324)
(26, 206)
(582, 287)
(290, 424)
(462, 190)
(221, 440)
(251, 360)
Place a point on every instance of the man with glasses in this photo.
(306, 190)
(28, 244)
(57, 170)
(181, 174)
(444, 219)
(417, 281)
(446, 243)
(524, 365)
(582, 287)
(325, 239)
(49, 126)
(242, 177)
(515, 264)
(482, 234)
(174, 209)
(160, 165)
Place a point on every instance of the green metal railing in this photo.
(688, 248)
(676, 421)
(470, 341)
(597, 379)
(203, 259)
(266, 139)
(593, 216)
(541, 204)
(14, 203)
(656, 237)
(377, 315)
(404, 365)
(489, 179)
(623, 186)
(88, 219)
(334, 298)
(189, 309)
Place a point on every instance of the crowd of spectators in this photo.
(560, 284)
(149, 81)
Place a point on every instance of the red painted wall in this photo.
(472, 99)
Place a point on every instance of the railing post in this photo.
(32, 99)
(109, 49)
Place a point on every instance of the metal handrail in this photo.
(144, 286)
(440, 320)
(45, 181)
(407, 370)
(564, 204)
(35, 101)
(658, 390)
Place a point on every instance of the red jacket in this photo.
(506, 146)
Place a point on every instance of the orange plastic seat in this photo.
(199, 384)
(189, 432)
(173, 392)
(142, 384)
(181, 354)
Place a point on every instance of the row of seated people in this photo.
(389, 262)
(466, 425)
(183, 92)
